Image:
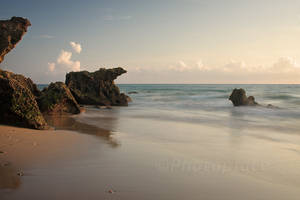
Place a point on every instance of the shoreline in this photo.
(156, 156)
(22, 149)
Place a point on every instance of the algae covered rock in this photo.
(97, 88)
(239, 98)
(57, 99)
(26, 82)
(18, 105)
(11, 32)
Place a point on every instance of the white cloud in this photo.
(51, 66)
(64, 62)
(282, 65)
(234, 65)
(64, 59)
(202, 67)
(285, 64)
(282, 70)
(76, 47)
(190, 66)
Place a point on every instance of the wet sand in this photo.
(24, 151)
(148, 159)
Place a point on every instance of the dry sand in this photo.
(20, 148)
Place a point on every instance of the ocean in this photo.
(209, 105)
(188, 141)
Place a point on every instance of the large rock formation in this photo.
(26, 82)
(97, 88)
(18, 105)
(11, 32)
(57, 99)
(238, 98)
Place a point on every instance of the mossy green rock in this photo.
(57, 99)
(18, 104)
(26, 82)
(97, 88)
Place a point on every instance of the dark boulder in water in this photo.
(128, 98)
(239, 98)
(18, 104)
(57, 99)
(132, 92)
(97, 88)
(11, 32)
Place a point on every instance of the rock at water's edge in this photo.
(128, 98)
(11, 32)
(97, 88)
(238, 98)
(18, 105)
(57, 99)
(132, 92)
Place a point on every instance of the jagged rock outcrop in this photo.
(97, 88)
(238, 98)
(26, 82)
(11, 32)
(18, 105)
(57, 99)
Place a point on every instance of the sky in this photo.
(159, 41)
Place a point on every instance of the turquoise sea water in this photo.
(209, 105)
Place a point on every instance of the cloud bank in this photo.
(182, 66)
(282, 65)
(283, 70)
(285, 65)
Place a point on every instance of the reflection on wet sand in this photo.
(65, 122)
(236, 125)
(9, 178)
(237, 121)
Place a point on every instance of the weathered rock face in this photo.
(238, 98)
(57, 99)
(18, 105)
(97, 88)
(26, 82)
(11, 32)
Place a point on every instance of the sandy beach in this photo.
(132, 161)
(149, 100)
(22, 148)
(23, 151)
